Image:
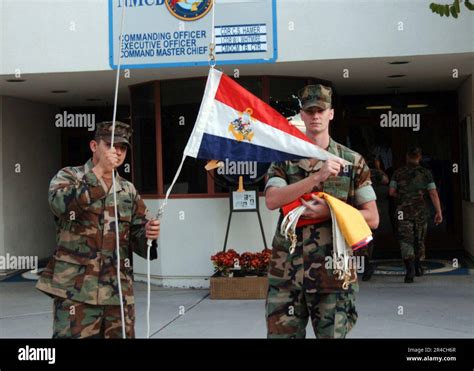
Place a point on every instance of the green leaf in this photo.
(453, 11)
(446, 10)
(441, 10)
(456, 5)
(469, 5)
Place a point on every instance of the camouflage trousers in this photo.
(77, 320)
(287, 312)
(411, 238)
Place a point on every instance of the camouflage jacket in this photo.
(412, 182)
(307, 266)
(84, 265)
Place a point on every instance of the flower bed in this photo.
(240, 276)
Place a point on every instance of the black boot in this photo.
(410, 270)
(419, 271)
(368, 270)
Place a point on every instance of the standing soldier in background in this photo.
(409, 185)
(82, 275)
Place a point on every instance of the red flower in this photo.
(249, 263)
(225, 261)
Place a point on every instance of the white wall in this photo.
(2, 56)
(55, 35)
(466, 107)
(186, 246)
(2, 235)
(29, 138)
(340, 29)
(38, 35)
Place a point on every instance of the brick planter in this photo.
(251, 287)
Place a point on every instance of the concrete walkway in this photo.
(435, 306)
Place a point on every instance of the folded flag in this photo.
(349, 230)
(234, 124)
(350, 222)
(292, 208)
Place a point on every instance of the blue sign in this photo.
(170, 33)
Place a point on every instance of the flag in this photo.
(234, 124)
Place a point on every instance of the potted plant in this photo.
(240, 276)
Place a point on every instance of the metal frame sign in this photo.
(176, 33)
(244, 201)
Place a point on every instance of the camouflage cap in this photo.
(123, 132)
(315, 96)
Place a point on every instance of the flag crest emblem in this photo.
(241, 127)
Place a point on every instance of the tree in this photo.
(454, 9)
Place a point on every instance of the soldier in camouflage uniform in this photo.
(302, 284)
(409, 185)
(82, 275)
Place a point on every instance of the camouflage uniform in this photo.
(299, 284)
(74, 319)
(82, 275)
(411, 183)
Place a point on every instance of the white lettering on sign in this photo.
(250, 38)
(159, 34)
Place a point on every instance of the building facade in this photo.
(393, 58)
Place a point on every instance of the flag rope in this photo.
(212, 63)
(114, 187)
(212, 45)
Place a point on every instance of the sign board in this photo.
(244, 201)
(167, 33)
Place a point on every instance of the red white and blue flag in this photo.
(234, 124)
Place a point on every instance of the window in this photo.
(180, 102)
(144, 138)
(284, 94)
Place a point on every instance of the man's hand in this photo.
(317, 209)
(152, 229)
(438, 219)
(330, 168)
(108, 161)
